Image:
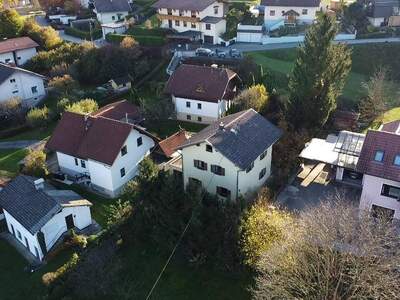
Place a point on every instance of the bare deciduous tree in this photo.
(332, 252)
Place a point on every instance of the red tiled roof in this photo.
(200, 82)
(91, 137)
(17, 44)
(119, 110)
(387, 142)
(172, 143)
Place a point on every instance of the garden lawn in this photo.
(33, 134)
(15, 283)
(9, 159)
(181, 280)
(163, 129)
(389, 116)
(366, 59)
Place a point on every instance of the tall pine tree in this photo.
(318, 76)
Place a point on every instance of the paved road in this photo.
(18, 144)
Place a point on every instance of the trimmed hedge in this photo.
(374, 35)
(141, 39)
(85, 35)
(136, 31)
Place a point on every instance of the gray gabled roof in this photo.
(382, 8)
(6, 71)
(243, 137)
(33, 208)
(103, 6)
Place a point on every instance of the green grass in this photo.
(163, 129)
(10, 158)
(15, 283)
(366, 59)
(389, 116)
(33, 134)
(181, 280)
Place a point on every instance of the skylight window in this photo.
(397, 160)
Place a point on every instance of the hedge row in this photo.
(374, 35)
(85, 35)
(140, 31)
(141, 39)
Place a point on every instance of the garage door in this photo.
(246, 37)
(208, 39)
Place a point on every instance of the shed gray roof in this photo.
(103, 6)
(6, 71)
(244, 137)
(33, 208)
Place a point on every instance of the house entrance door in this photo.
(70, 221)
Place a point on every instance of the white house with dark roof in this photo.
(17, 50)
(380, 163)
(102, 150)
(278, 13)
(37, 214)
(111, 11)
(231, 157)
(383, 12)
(23, 84)
(202, 94)
(193, 19)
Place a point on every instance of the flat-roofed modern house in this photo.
(17, 51)
(193, 19)
(278, 13)
(380, 163)
(37, 214)
(102, 150)
(202, 94)
(231, 157)
(20, 83)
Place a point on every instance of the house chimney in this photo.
(39, 184)
(221, 126)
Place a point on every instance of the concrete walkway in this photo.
(32, 260)
(18, 144)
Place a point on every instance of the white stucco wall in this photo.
(209, 110)
(216, 29)
(107, 17)
(107, 178)
(371, 194)
(32, 239)
(22, 88)
(237, 181)
(376, 21)
(279, 10)
(24, 55)
(7, 58)
(57, 225)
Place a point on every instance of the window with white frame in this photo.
(199, 164)
(272, 13)
(122, 171)
(304, 11)
(218, 170)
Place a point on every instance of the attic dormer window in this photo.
(200, 89)
(379, 156)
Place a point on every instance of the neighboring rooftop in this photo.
(291, 3)
(7, 70)
(382, 8)
(387, 142)
(393, 127)
(209, 84)
(240, 137)
(171, 144)
(98, 137)
(195, 5)
(33, 207)
(120, 111)
(19, 43)
(103, 6)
